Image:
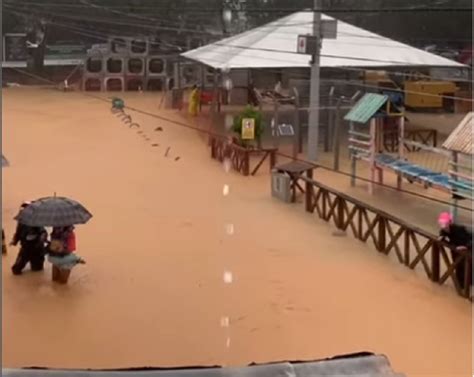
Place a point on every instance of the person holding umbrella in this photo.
(32, 241)
(60, 214)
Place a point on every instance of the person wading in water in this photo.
(32, 246)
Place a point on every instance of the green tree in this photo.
(249, 112)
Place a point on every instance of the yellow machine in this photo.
(379, 79)
(429, 94)
(420, 93)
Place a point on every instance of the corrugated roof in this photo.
(274, 46)
(366, 108)
(460, 139)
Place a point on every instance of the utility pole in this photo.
(313, 124)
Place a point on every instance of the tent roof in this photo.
(460, 139)
(274, 46)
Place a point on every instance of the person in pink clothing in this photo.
(459, 239)
(61, 252)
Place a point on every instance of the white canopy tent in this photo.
(274, 46)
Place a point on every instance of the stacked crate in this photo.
(117, 66)
(156, 72)
(94, 70)
(135, 64)
(132, 64)
(115, 61)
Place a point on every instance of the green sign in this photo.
(65, 51)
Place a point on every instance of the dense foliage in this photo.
(249, 112)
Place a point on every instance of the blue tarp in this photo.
(415, 172)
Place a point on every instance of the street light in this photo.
(227, 20)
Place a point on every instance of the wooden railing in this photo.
(428, 137)
(241, 157)
(412, 246)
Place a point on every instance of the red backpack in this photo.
(71, 242)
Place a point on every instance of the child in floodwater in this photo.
(61, 251)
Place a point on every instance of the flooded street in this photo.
(152, 291)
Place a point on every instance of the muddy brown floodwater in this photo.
(152, 292)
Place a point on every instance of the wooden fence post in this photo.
(273, 158)
(340, 213)
(309, 197)
(407, 247)
(324, 197)
(381, 244)
(360, 223)
(435, 265)
(246, 162)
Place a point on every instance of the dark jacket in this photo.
(457, 235)
(20, 234)
(30, 237)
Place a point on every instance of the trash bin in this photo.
(281, 184)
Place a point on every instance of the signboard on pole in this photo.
(301, 48)
(248, 129)
(65, 51)
(329, 29)
(308, 44)
(14, 47)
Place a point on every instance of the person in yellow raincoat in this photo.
(194, 101)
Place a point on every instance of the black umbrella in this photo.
(54, 212)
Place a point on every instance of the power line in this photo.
(296, 53)
(155, 28)
(207, 10)
(139, 25)
(217, 135)
(216, 34)
(86, 32)
(397, 73)
(363, 85)
(345, 82)
(265, 9)
(348, 82)
(133, 15)
(358, 84)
